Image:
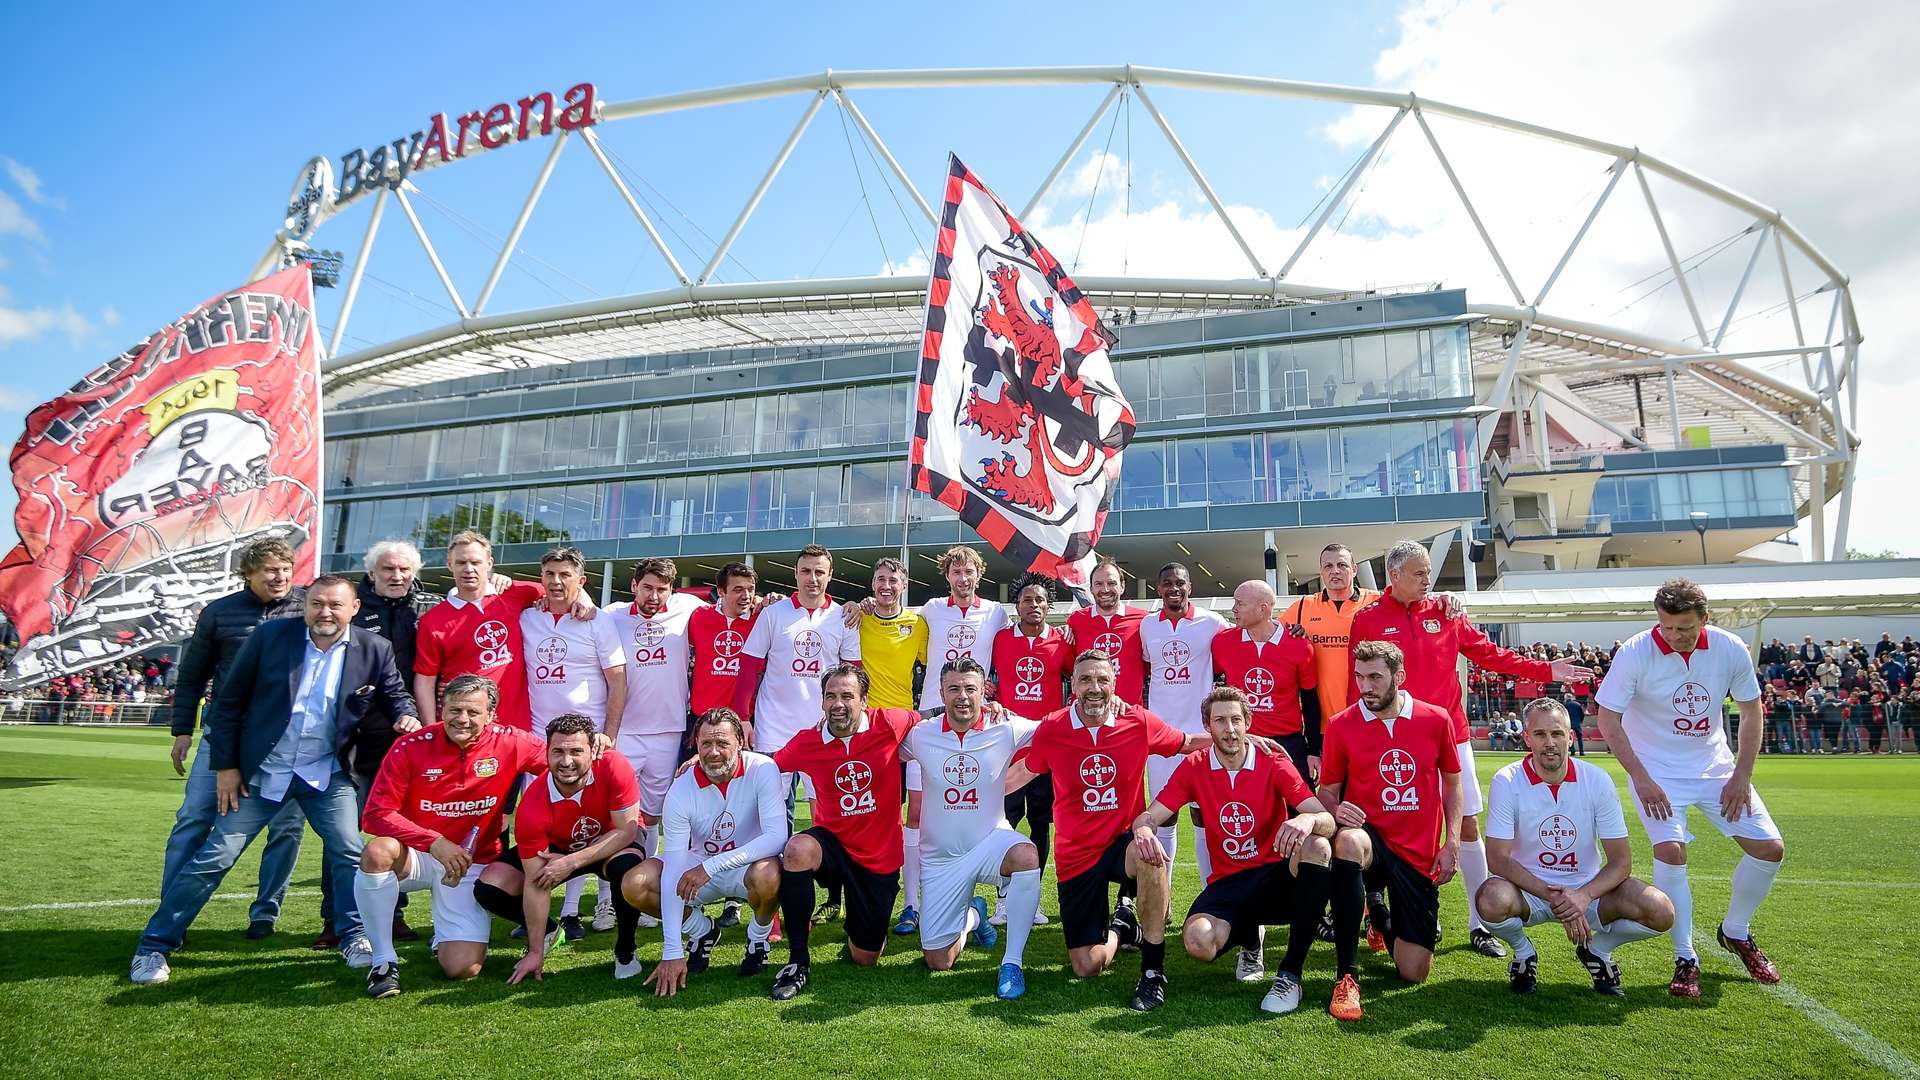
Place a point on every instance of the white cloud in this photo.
(29, 183)
(12, 400)
(19, 325)
(14, 220)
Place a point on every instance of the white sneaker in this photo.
(603, 920)
(1283, 997)
(358, 953)
(647, 922)
(631, 970)
(999, 915)
(149, 969)
(1252, 967)
(1040, 917)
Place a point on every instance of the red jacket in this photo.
(428, 788)
(1433, 645)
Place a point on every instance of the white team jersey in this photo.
(964, 780)
(731, 824)
(799, 645)
(1179, 659)
(1556, 829)
(657, 666)
(955, 632)
(1671, 703)
(565, 658)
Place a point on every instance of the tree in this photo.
(506, 527)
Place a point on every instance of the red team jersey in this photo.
(458, 638)
(716, 640)
(1099, 778)
(859, 784)
(1270, 673)
(549, 821)
(1031, 672)
(1394, 776)
(428, 788)
(1117, 635)
(1433, 645)
(1242, 810)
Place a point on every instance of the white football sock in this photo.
(696, 924)
(1513, 931)
(377, 895)
(650, 840)
(1473, 874)
(574, 889)
(973, 921)
(1170, 840)
(1616, 933)
(910, 866)
(1752, 881)
(1671, 878)
(1202, 855)
(758, 932)
(1023, 899)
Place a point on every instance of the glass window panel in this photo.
(1773, 492)
(1283, 468)
(637, 499)
(800, 420)
(874, 494)
(1409, 365)
(924, 508)
(1408, 445)
(672, 426)
(1638, 498)
(1320, 359)
(1452, 364)
(797, 495)
(1370, 367)
(1232, 476)
(1190, 472)
(829, 497)
(709, 435)
(670, 512)
(1708, 491)
(1221, 397)
(729, 511)
(527, 447)
(763, 497)
(1366, 455)
(1606, 497)
(1143, 476)
(1132, 375)
(1180, 385)
(872, 417)
(694, 517)
(438, 527)
(832, 417)
(1315, 464)
(1671, 498)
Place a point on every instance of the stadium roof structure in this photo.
(1528, 342)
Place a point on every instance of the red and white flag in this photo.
(139, 486)
(1019, 421)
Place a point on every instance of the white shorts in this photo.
(1159, 771)
(1703, 795)
(726, 885)
(946, 884)
(913, 776)
(654, 758)
(1538, 911)
(1470, 803)
(457, 916)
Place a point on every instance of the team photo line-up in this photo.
(516, 740)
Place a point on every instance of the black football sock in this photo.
(1347, 895)
(1153, 957)
(1309, 900)
(626, 920)
(796, 904)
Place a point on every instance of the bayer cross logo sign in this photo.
(1236, 819)
(1259, 682)
(722, 828)
(490, 635)
(853, 777)
(1029, 668)
(551, 650)
(808, 644)
(648, 633)
(1692, 701)
(1175, 654)
(1558, 833)
(960, 770)
(1108, 643)
(1396, 768)
(1098, 771)
(728, 642)
(962, 635)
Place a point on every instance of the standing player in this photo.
(1660, 711)
(577, 818)
(1325, 620)
(1097, 750)
(1271, 868)
(1433, 639)
(893, 643)
(579, 667)
(1030, 664)
(724, 829)
(1392, 777)
(1178, 645)
(434, 818)
(1113, 629)
(1547, 821)
(966, 758)
(654, 630)
(475, 632)
(793, 643)
(716, 633)
(855, 838)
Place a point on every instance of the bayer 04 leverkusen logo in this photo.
(1397, 768)
(1033, 420)
(853, 777)
(1558, 833)
(808, 644)
(585, 829)
(962, 635)
(1029, 669)
(551, 650)
(1259, 682)
(490, 635)
(1236, 818)
(647, 633)
(728, 642)
(722, 828)
(1108, 643)
(1691, 700)
(1175, 653)
(1098, 771)
(960, 770)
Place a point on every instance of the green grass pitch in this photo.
(87, 813)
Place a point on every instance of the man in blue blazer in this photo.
(279, 729)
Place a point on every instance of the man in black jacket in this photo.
(280, 730)
(223, 627)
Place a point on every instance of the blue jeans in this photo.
(1783, 737)
(195, 820)
(333, 815)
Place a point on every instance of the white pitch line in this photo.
(1824, 883)
(82, 905)
(1869, 1046)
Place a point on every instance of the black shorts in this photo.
(1084, 907)
(1246, 900)
(1032, 802)
(869, 895)
(611, 869)
(1296, 747)
(1411, 895)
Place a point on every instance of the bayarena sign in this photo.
(444, 139)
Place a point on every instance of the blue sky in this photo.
(154, 168)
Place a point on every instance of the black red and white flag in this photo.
(139, 486)
(1019, 422)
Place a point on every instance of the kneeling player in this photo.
(1265, 867)
(853, 760)
(434, 817)
(1393, 779)
(1549, 819)
(965, 759)
(579, 817)
(721, 834)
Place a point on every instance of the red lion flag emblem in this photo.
(139, 486)
(1019, 423)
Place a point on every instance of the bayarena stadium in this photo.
(1643, 369)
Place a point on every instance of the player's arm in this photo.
(753, 665)
(770, 803)
(1736, 796)
(400, 703)
(626, 823)
(1146, 835)
(1310, 721)
(1501, 864)
(616, 705)
(383, 817)
(1614, 730)
(1448, 861)
(536, 904)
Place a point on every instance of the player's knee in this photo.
(502, 877)
(1198, 937)
(460, 971)
(763, 877)
(1496, 899)
(1657, 911)
(1767, 850)
(802, 853)
(1414, 969)
(1671, 853)
(1022, 858)
(1086, 965)
(864, 957)
(1352, 845)
(381, 854)
(1316, 851)
(940, 961)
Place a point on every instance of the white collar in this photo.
(827, 735)
(1406, 708)
(553, 789)
(1112, 716)
(1213, 756)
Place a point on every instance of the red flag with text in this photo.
(139, 486)
(1019, 422)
